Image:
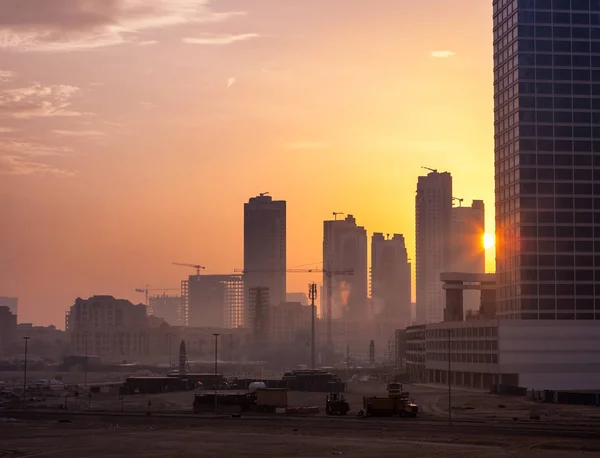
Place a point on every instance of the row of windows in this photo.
(556, 75)
(558, 131)
(480, 345)
(542, 17)
(558, 60)
(560, 304)
(564, 232)
(580, 189)
(569, 5)
(488, 331)
(557, 246)
(560, 146)
(560, 88)
(558, 117)
(562, 203)
(553, 174)
(550, 261)
(559, 46)
(584, 32)
(464, 358)
(549, 316)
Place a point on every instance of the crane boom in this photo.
(430, 169)
(198, 267)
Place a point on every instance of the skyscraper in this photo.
(433, 223)
(547, 158)
(390, 280)
(345, 247)
(468, 228)
(265, 248)
(467, 253)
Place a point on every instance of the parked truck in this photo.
(269, 399)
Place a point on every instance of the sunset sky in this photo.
(133, 131)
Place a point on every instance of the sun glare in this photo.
(488, 241)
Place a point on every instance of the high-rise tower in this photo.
(265, 248)
(547, 158)
(433, 224)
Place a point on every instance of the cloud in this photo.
(6, 130)
(231, 82)
(71, 25)
(147, 43)
(219, 39)
(305, 145)
(442, 54)
(78, 133)
(6, 75)
(38, 100)
(26, 158)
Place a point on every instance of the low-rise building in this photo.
(8, 328)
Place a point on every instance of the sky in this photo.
(133, 131)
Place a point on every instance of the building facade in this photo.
(345, 247)
(11, 302)
(214, 301)
(547, 158)
(265, 247)
(113, 329)
(433, 225)
(168, 308)
(390, 280)
(8, 329)
(291, 324)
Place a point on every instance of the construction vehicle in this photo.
(336, 404)
(397, 403)
(269, 399)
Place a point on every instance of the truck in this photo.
(391, 406)
(269, 399)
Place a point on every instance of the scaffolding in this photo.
(233, 308)
(183, 307)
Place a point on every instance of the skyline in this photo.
(102, 185)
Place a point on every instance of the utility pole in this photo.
(449, 381)
(312, 294)
(216, 386)
(25, 370)
(86, 359)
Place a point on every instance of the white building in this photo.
(433, 226)
(540, 355)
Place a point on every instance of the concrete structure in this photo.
(390, 280)
(114, 329)
(11, 302)
(214, 300)
(547, 159)
(433, 225)
(455, 284)
(45, 341)
(298, 297)
(265, 247)
(345, 247)
(8, 328)
(467, 253)
(290, 323)
(259, 315)
(416, 352)
(551, 354)
(167, 307)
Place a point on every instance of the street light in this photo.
(449, 381)
(25, 369)
(86, 359)
(216, 387)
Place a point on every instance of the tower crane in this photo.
(430, 169)
(336, 214)
(262, 194)
(329, 274)
(194, 266)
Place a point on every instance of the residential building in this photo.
(265, 247)
(344, 248)
(45, 341)
(214, 300)
(8, 328)
(113, 329)
(433, 242)
(547, 159)
(11, 302)
(167, 307)
(390, 280)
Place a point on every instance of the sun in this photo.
(488, 241)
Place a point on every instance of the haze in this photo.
(131, 136)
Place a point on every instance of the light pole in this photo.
(170, 360)
(25, 369)
(86, 360)
(216, 368)
(449, 381)
(312, 294)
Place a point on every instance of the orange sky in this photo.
(131, 137)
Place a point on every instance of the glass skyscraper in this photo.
(547, 158)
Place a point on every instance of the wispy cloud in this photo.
(231, 82)
(442, 54)
(38, 100)
(71, 25)
(6, 130)
(27, 158)
(219, 39)
(6, 75)
(305, 145)
(147, 43)
(78, 133)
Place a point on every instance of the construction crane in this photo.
(459, 200)
(430, 169)
(336, 214)
(329, 274)
(262, 194)
(194, 266)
